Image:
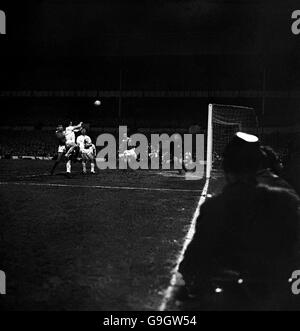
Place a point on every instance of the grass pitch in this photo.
(98, 242)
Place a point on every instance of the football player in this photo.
(66, 144)
(60, 135)
(87, 150)
(70, 137)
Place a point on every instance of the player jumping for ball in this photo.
(67, 144)
(87, 150)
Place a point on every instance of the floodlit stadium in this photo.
(121, 135)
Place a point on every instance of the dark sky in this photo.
(119, 27)
(84, 43)
(206, 45)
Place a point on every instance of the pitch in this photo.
(97, 242)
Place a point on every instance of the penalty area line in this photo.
(168, 293)
(103, 187)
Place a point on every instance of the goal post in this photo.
(223, 122)
(209, 142)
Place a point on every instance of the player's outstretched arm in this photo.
(78, 127)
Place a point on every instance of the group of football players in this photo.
(72, 149)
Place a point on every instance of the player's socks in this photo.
(68, 165)
(84, 167)
(92, 168)
(53, 168)
(52, 171)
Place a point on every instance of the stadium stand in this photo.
(27, 143)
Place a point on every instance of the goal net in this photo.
(223, 122)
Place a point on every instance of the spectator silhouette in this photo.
(292, 169)
(271, 170)
(246, 238)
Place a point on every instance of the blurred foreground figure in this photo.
(292, 171)
(271, 171)
(244, 249)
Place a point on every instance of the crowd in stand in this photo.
(43, 142)
(40, 142)
(27, 143)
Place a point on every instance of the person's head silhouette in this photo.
(242, 156)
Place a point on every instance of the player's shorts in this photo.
(61, 149)
(87, 154)
(70, 144)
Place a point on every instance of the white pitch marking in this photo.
(102, 187)
(33, 176)
(189, 237)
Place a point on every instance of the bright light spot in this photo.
(247, 137)
(97, 103)
(240, 281)
(218, 290)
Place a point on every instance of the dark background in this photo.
(170, 45)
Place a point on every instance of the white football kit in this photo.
(61, 149)
(86, 151)
(70, 136)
